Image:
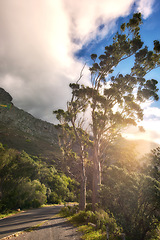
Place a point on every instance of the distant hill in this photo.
(22, 131)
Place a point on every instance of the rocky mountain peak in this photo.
(5, 97)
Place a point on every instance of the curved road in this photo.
(55, 227)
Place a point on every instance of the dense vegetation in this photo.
(27, 181)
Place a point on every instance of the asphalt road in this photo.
(20, 222)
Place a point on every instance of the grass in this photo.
(7, 214)
(89, 233)
(60, 204)
(30, 229)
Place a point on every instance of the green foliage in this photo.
(155, 234)
(156, 46)
(91, 234)
(54, 198)
(63, 189)
(93, 223)
(8, 213)
(134, 199)
(152, 164)
(68, 211)
(26, 182)
(24, 194)
(1, 147)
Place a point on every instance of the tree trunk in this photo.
(0, 189)
(82, 203)
(96, 177)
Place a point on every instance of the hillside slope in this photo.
(22, 131)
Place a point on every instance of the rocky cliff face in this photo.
(20, 130)
(14, 117)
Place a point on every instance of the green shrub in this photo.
(54, 198)
(65, 212)
(93, 224)
(80, 217)
(24, 194)
(69, 210)
(155, 234)
(88, 207)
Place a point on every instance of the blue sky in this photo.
(43, 49)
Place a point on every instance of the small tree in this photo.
(73, 139)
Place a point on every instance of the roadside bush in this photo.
(25, 194)
(54, 198)
(80, 217)
(95, 222)
(70, 197)
(62, 187)
(69, 210)
(39, 193)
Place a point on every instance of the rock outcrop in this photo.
(5, 97)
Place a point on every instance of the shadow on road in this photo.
(22, 221)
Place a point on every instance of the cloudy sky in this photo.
(45, 43)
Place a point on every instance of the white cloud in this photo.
(37, 44)
(86, 16)
(150, 123)
(145, 7)
(152, 112)
(151, 134)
